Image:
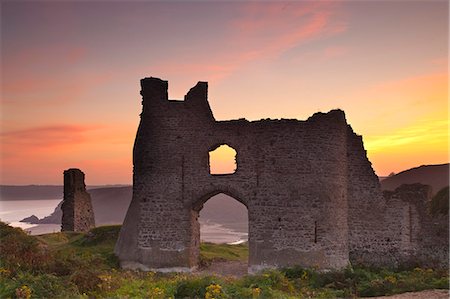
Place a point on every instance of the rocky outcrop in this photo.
(33, 219)
(78, 214)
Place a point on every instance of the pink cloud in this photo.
(50, 55)
(265, 31)
(45, 137)
(48, 74)
(50, 88)
(261, 32)
(100, 150)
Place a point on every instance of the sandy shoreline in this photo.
(210, 232)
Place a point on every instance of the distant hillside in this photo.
(111, 204)
(227, 211)
(31, 192)
(437, 176)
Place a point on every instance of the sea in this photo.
(12, 211)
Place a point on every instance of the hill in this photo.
(437, 176)
(31, 192)
(111, 204)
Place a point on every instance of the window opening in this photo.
(222, 160)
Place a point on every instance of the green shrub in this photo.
(86, 280)
(102, 235)
(40, 285)
(194, 287)
(21, 252)
(65, 265)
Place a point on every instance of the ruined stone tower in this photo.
(78, 214)
(312, 196)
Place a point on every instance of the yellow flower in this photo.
(213, 291)
(24, 292)
(304, 275)
(391, 279)
(256, 292)
(157, 293)
(4, 272)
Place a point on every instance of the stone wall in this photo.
(78, 214)
(311, 193)
(420, 238)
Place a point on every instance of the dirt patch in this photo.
(428, 294)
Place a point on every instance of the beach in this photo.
(12, 211)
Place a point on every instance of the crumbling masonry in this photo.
(312, 196)
(78, 214)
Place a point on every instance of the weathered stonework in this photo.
(312, 196)
(419, 237)
(78, 214)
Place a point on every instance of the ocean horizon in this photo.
(12, 211)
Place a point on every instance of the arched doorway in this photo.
(220, 233)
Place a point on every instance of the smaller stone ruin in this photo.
(78, 214)
(420, 237)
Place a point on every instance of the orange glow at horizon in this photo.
(70, 84)
(222, 160)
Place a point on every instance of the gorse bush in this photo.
(37, 286)
(71, 265)
(20, 252)
(195, 287)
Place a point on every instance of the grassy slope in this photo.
(68, 265)
(101, 241)
(224, 252)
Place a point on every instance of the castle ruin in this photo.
(312, 196)
(78, 214)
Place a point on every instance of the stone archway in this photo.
(308, 186)
(197, 206)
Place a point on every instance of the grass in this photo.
(73, 265)
(210, 252)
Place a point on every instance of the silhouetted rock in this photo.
(33, 219)
(53, 218)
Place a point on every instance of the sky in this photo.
(70, 75)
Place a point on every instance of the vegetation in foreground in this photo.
(72, 265)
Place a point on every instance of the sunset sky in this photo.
(70, 75)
